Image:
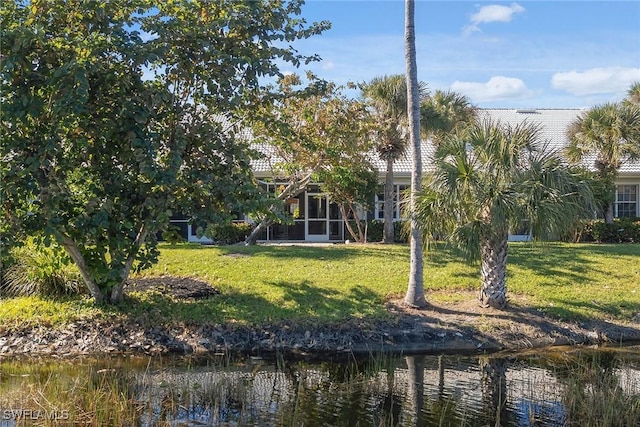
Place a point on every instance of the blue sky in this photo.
(527, 54)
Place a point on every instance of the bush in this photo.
(229, 233)
(376, 229)
(622, 230)
(40, 270)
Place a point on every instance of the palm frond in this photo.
(490, 177)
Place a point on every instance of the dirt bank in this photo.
(440, 328)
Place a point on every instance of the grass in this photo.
(329, 284)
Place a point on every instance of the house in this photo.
(316, 219)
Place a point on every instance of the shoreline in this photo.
(436, 330)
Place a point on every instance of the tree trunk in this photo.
(73, 251)
(494, 390)
(117, 292)
(388, 231)
(252, 238)
(415, 289)
(608, 214)
(358, 236)
(415, 372)
(293, 189)
(493, 273)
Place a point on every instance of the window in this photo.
(398, 202)
(626, 201)
(379, 206)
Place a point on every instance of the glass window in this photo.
(627, 201)
(398, 202)
(379, 206)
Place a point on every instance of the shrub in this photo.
(376, 229)
(172, 235)
(622, 230)
(229, 233)
(40, 270)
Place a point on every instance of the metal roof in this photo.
(553, 125)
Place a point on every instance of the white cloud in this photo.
(328, 65)
(596, 80)
(497, 88)
(492, 13)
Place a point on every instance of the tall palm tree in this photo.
(415, 289)
(387, 96)
(611, 133)
(486, 179)
(444, 112)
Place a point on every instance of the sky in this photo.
(527, 54)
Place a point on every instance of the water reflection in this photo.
(553, 388)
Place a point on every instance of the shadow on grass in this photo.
(301, 302)
(326, 253)
(574, 261)
(563, 309)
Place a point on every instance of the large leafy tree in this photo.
(306, 132)
(114, 113)
(486, 180)
(610, 133)
(415, 289)
(387, 97)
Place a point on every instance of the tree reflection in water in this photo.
(566, 388)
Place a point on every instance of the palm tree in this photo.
(388, 98)
(633, 94)
(611, 133)
(486, 179)
(415, 289)
(445, 112)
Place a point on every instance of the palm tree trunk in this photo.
(388, 231)
(494, 390)
(493, 253)
(415, 289)
(608, 213)
(415, 372)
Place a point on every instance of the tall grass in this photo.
(578, 389)
(40, 270)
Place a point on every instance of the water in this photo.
(560, 387)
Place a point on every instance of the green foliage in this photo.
(611, 133)
(622, 230)
(489, 177)
(445, 112)
(113, 113)
(172, 235)
(376, 228)
(316, 133)
(228, 233)
(42, 271)
(350, 185)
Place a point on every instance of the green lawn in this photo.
(328, 284)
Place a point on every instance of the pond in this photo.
(555, 387)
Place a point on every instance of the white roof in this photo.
(553, 125)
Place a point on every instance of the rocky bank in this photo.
(440, 328)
